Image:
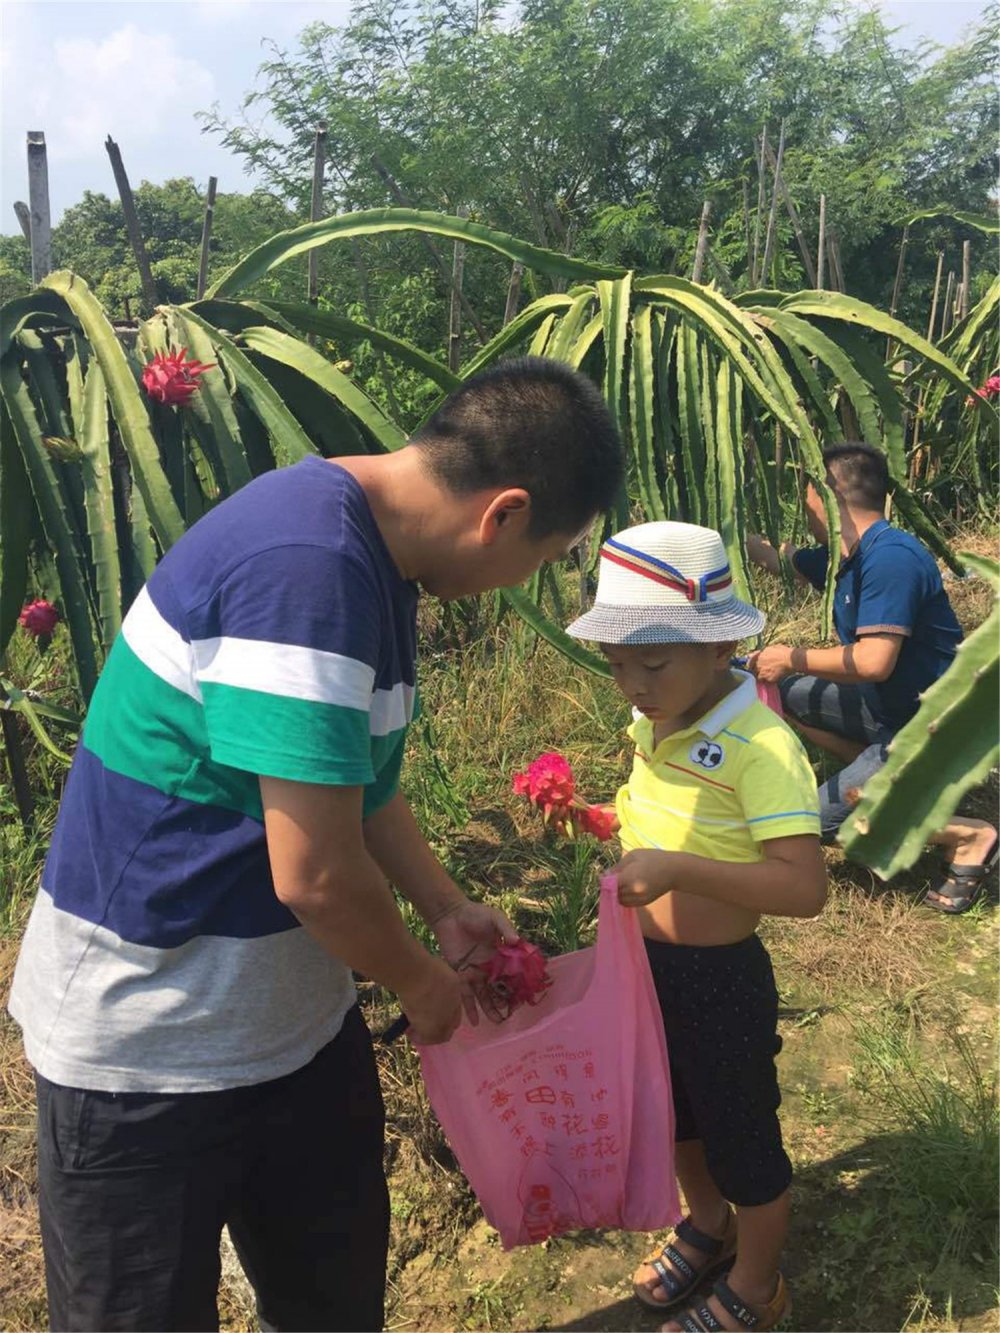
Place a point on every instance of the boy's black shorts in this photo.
(720, 1012)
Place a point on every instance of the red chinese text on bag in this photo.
(561, 1117)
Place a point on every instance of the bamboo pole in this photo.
(513, 292)
(132, 225)
(23, 218)
(762, 150)
(206, 236)
(40, 233)
(793, 217)
(699, 254)
(773, 217)
(746, 219)
(316, 206)
(821, 245)
(966, 265)
(455, 313)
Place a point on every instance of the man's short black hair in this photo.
(859, 474)
(532, 423)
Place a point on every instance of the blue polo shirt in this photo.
(890, 584)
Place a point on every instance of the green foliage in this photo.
(599, 129)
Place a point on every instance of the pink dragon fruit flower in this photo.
(171, 379)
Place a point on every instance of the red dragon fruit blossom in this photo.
(39, 618)
(990, 390)
(548, 783)
(517, 974)
(171, 379)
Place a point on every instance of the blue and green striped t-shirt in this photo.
(276, 637)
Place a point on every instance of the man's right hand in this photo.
(434, 1003)
(761, 552)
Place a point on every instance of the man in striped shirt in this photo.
(222, 860)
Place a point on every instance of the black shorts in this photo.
(720, 1013)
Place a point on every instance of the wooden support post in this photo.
(513, 292)
(917, 455)
(699, 254)
(934, 299)
(10, 729)
(40, 233)
(23, 218)
(894, 303)
(132, 226)
(946, 312)
(455, 310)
(793, 217)
(821, 245)
(964, 310)
(206, 236)
(833, 255)
(404, 202)
(762, 151)
(772, 220)
(316, 205)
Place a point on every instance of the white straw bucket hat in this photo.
(666, 583)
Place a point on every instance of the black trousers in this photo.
(134, 1189)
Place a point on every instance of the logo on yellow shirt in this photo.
(707, 754)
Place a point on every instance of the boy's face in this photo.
(668, 680)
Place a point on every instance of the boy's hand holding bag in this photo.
(561, 1117)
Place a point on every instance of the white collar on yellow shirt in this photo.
(725, 711)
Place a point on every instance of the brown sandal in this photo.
(682, 1278)
(760, 1318)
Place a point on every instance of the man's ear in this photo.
(507, 509)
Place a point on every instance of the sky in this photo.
(83, 69)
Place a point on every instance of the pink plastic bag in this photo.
(769, 694)
(561, 1117)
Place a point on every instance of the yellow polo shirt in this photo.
(721, 787)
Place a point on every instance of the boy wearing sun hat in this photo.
(719, 825)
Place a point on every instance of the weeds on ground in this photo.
(944, 1184)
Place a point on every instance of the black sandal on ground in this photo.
(682, 1278)
(760, 1318)
(962, 886)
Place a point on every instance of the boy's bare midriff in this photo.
(683, 918)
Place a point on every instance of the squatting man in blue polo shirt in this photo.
(898, 634)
